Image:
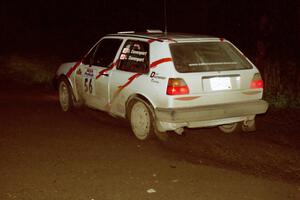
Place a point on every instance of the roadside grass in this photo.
(33, 70)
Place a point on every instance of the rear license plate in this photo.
(220, 83)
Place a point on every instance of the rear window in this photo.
(207, 56)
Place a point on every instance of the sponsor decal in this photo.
(154, 81)
(126, 50)
(136, 59)
(140, 53)
(123, 57)
(89, 72)
(155, 77)
(152, 74)
(89, 81)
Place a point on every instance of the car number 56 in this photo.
(89, 85)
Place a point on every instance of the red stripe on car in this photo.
(72, 69)
(160, 61)
(106, 70)
(154, 40)
(152, 65)
(130, 79)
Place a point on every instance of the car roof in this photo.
(171, 37)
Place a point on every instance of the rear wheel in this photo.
(229, 128)
(65, 95)
(141, 120)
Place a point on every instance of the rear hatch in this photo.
(215, 73)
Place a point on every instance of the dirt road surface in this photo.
(88, 155)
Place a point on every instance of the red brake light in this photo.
(257, 82)
(177, 86)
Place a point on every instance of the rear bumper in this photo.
(210, 115)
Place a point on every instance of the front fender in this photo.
(64, 68)
(63, 71)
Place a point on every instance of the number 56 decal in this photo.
(89, 85)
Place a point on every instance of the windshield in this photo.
(207, 56)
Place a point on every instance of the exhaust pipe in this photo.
(179, 131)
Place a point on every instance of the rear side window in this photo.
(135, 57)
(207, 56)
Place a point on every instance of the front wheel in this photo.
(65, 95)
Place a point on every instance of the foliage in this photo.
(28, 70)
(282, 81)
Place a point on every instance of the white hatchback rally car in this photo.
(165, 82)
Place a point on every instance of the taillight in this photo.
(177, 86)
(257, 81)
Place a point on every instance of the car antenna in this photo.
(165, 17)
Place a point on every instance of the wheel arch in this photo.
(65, 77)
(162, 135)
(139, 97)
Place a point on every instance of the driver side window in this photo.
(103, 53)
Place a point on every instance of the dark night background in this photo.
(266, 31)
(34, 23)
